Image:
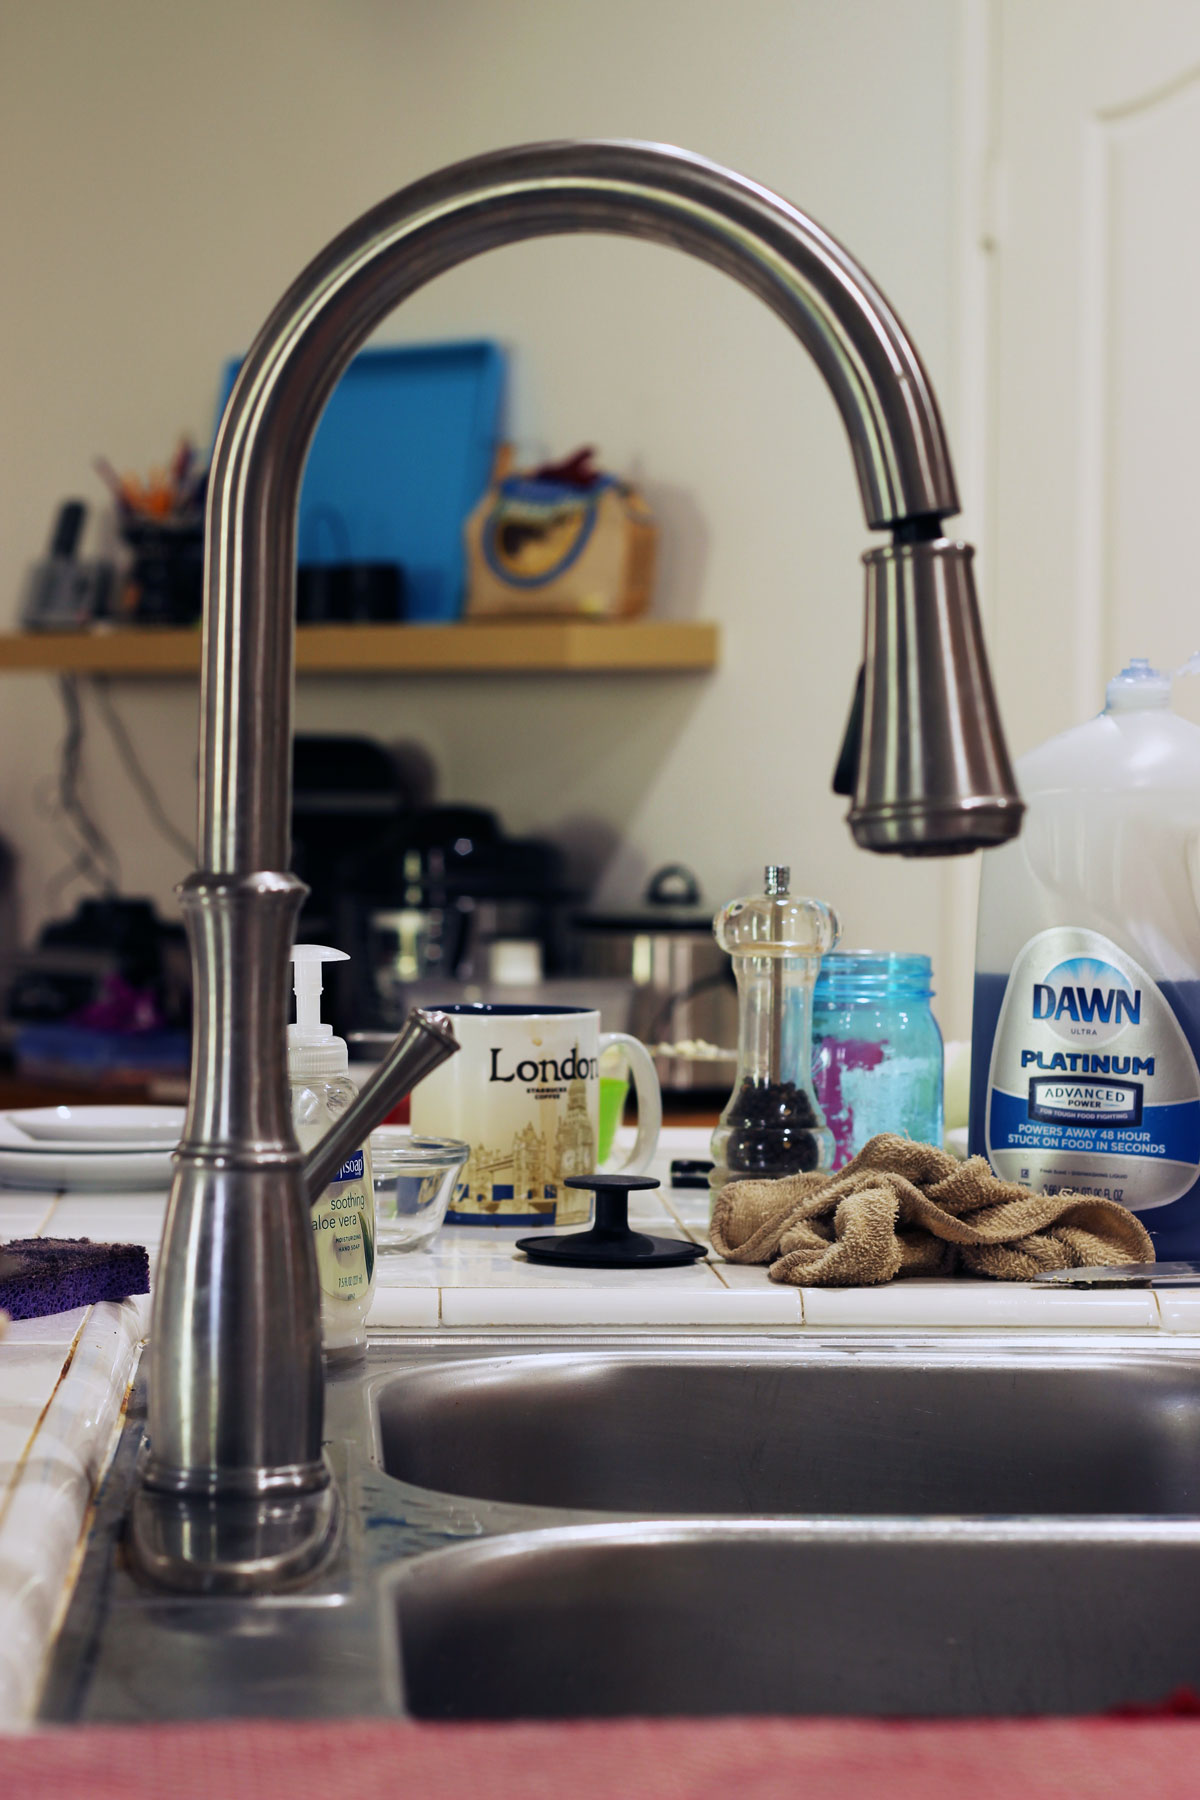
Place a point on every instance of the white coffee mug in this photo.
(524, 1092)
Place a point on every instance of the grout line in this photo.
(665, 1197)
(41, 1230)
(23, 1459)
(696, 1235)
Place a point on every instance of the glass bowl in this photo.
(414, 1178)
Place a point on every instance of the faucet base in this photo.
(238, 1544)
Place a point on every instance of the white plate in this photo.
(90, 1130)
(105, 1173)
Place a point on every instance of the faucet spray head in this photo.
(924, 757)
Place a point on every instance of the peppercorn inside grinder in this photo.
(772, 1124)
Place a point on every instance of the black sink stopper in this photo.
(610, 1244)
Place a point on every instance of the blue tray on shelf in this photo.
(403, 451)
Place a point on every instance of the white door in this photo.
(1092, 511)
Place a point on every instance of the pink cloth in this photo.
(671, 1759)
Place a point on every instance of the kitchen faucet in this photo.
(234, 1493)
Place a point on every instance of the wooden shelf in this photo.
(470, 647)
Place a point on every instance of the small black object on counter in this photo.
(610, 1244)
(690, 1171)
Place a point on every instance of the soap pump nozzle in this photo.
(310, 1030)
(424, 1041)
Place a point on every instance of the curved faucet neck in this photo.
(642, 190)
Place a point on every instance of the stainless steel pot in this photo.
(684, 1005)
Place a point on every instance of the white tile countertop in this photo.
(64, 1380)
(472, 1277)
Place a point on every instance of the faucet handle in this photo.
(845, 775)
(423, 1043)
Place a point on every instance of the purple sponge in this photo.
(39, 1276)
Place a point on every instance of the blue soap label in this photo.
(1092, 1085)
(352, 1168)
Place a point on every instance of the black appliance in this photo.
(442, 886)
(347, 793)
(75, 961)
(408, 888)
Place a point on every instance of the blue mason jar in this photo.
(877, 1049)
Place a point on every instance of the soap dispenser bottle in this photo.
(1085, 1062)
(343, 1219)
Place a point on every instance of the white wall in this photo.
(166, 170)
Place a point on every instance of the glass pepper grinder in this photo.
(772, 1125)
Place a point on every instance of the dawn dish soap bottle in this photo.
(343, 1219)
(1085, 1067)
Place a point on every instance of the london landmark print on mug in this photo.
(524, 1092)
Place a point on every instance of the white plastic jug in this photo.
(1086, 1031)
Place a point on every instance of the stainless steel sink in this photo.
(670, 1524)
(703, 1618)
(803, 1429)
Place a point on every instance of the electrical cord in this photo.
(93, 858)
(132, 765)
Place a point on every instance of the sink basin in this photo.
(641, 1524)
(818, 1431)
(700, 1618)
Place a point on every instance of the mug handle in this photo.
(649, 1101)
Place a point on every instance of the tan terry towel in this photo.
(909, 1209)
